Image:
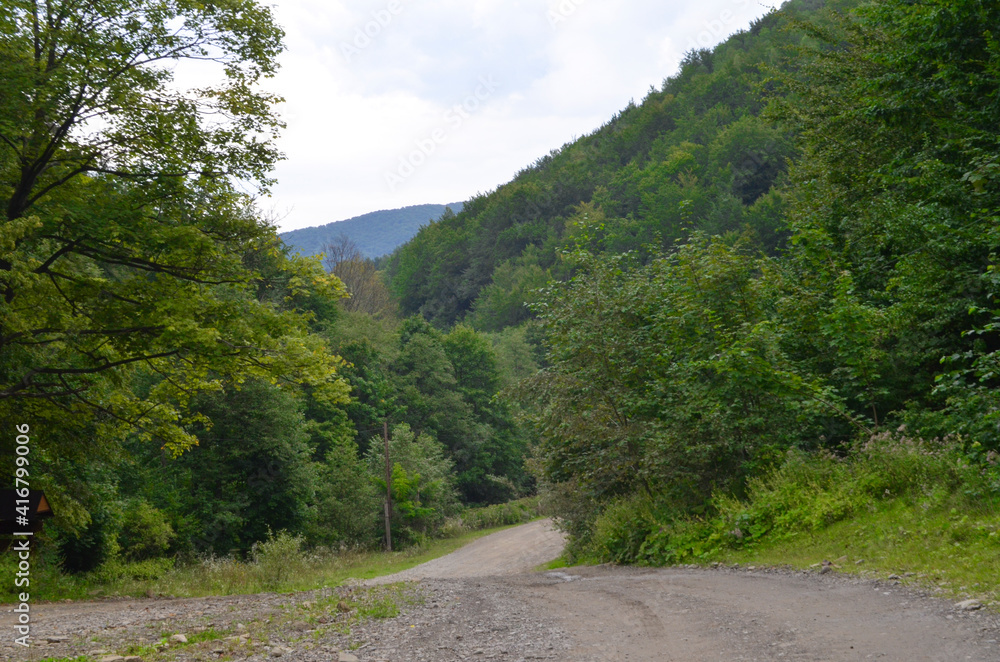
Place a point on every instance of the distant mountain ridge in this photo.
(376, 233)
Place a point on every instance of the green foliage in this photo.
(501, 514)
(805, 496)
(146, 532)
(515, 354)
(505, 301)
(117, 570)
(122, 248)
(135, 278)
(423, 493)
(894, 189)
(275, 557)
(346, 504)
(445, 384)
(670, 379)
(683, 376)
(49, 581)
(95, 543)
(253, 470)
(622, 528)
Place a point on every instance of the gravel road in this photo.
(485, 602)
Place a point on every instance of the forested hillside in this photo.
(694, 155)
(375, 234)
(784, 257)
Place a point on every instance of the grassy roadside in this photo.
(286, 570)
(281, 566)
(277, 565)
(954, 553)
(927, 513)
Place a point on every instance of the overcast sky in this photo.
(397, 102)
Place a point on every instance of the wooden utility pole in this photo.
(388, 491)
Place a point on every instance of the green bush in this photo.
(807, 493)
(501, 514)
(277, 558)
(145, 532)
(94, 544)
(621, 528)
(118, 570)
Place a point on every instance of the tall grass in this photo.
(893, 503)
(501, 514)
(279, 564)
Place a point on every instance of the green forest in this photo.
(759, 302)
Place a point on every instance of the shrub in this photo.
(117, 570)
(501, 514)
(807, 493)
(277, 557)
(145, 532)
(621, 528)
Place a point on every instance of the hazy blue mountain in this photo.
(376, 233)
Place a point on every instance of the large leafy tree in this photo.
(125, 246)
(670, 379)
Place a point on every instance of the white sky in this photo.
(397, 102)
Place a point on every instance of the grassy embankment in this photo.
(279, 564)
(926, 511)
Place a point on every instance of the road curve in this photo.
(512, 551)
(621, 613)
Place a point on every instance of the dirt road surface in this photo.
(485, 602)
(515, 551)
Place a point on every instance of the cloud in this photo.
(368, 81)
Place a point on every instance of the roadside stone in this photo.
(178, 639)
(132, 658)
(56, 640)
(969, 605)
(281, 651)
(111, 658)
(346, 657)
(894, 576)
